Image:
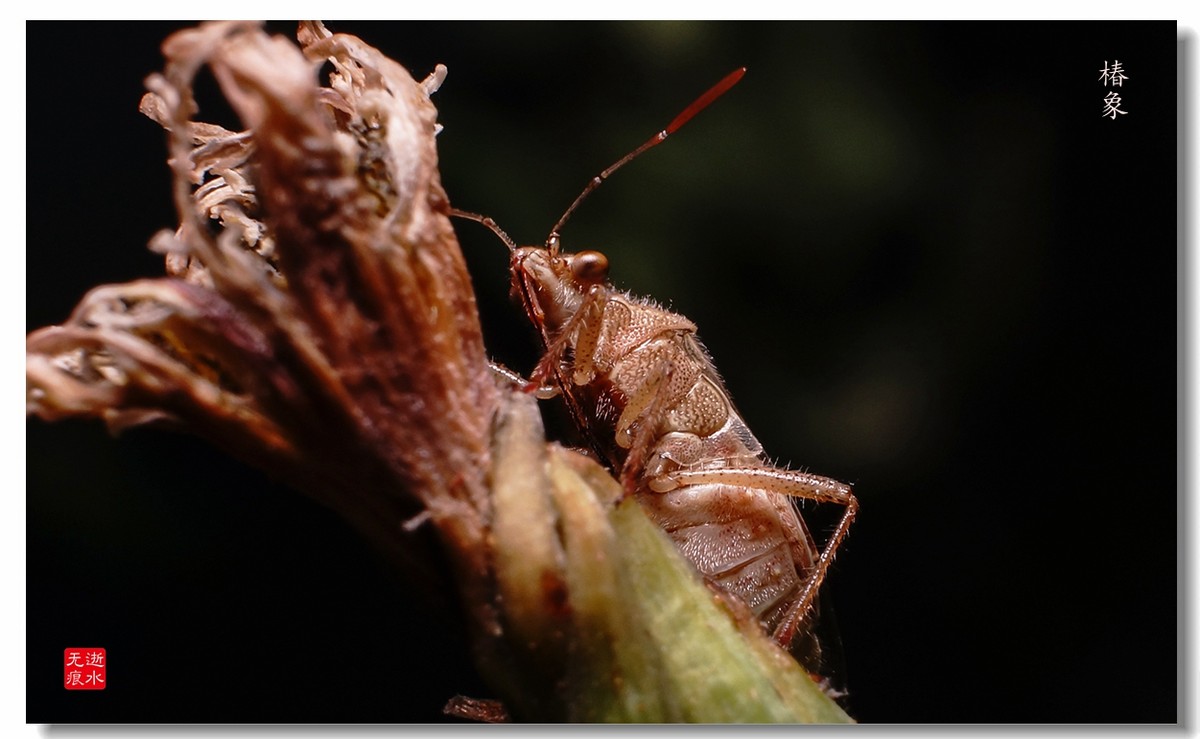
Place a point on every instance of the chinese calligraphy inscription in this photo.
(84, 668)
(1113, 76)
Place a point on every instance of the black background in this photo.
(923, 261)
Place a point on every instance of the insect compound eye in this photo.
(589, 266)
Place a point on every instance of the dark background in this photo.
(923, 261)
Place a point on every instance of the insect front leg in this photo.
(581, 331)
(797, 485)
(507, 378)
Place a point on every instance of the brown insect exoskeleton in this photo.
(645, 393)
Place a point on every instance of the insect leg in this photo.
(636, 428)
(587, 321)
(507, 377)
(587, 338)
(505, 374)
(798, 485)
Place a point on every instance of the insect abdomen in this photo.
(735, 538)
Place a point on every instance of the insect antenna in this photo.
(489, 223)
(688, 113)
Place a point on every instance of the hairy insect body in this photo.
(647, 395)
(644, 392)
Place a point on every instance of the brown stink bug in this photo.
(644, 392)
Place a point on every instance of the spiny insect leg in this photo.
(637, 427)
(508, 377)
(587, 321)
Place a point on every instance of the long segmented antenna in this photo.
(487, 222)
(688, 113)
